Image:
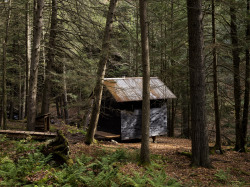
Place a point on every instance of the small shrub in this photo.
(2, 138)
(222, 176)
(150, 177)
(16, 172)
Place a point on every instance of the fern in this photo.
(150, 177)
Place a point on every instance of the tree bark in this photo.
(145, 152)
(51, 59)
(3, 122)
(24, 99)
(236, 74)
(97, 95)
(185, 125)
(31, 117)
(185, 106)
(61, 106)
(200, 149)
(65, 98)
(246, 94)
(137, 42)
(58, 107)
(28, 54)
(20, 92)
(11, 106)
(171, 128)
(215, 84)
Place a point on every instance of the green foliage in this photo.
(105, 172)
(2, 138)
(150, 177)
(91, 172)
(28, 165)
(22, 146)
(15, 173)
(74, 130)
(222, 176)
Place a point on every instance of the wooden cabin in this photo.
(122, 103)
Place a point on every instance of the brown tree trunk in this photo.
(137, 42)
(145, 155)
(11, 106)
(31, 117)
(236, 73)
(58, 107)
(185, 107)
(185, 120)
(215, 85)
(65, 98)
(51, 59)
(171, 124)
(61, 106)
(20, 92)
(24, 98)
(97, 95)
(200, 149)
(3, 118)
(28, 54)
(246, 94)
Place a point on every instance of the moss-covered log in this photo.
(59, 149)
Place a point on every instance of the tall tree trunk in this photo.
(51, 59)
(172, 121)
(97, 95)
(58, 107)
(200, 149)
(24, 98)
(20, 92)
(28, 53)
(11, 106)
(3, 118)
(185, 106)
(246, 94)
(215, 84)
(236, 73)
(185, 119)
(61, 106)
(43, 53)
(137, 42)
(31, 117)
(161, 50)
(145, 155)
(65, 98)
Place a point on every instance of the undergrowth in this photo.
(27, 166)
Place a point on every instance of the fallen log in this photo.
(59, 149)
(25, 134)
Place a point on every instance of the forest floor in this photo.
(229, 169)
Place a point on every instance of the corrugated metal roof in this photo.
(130, 89)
